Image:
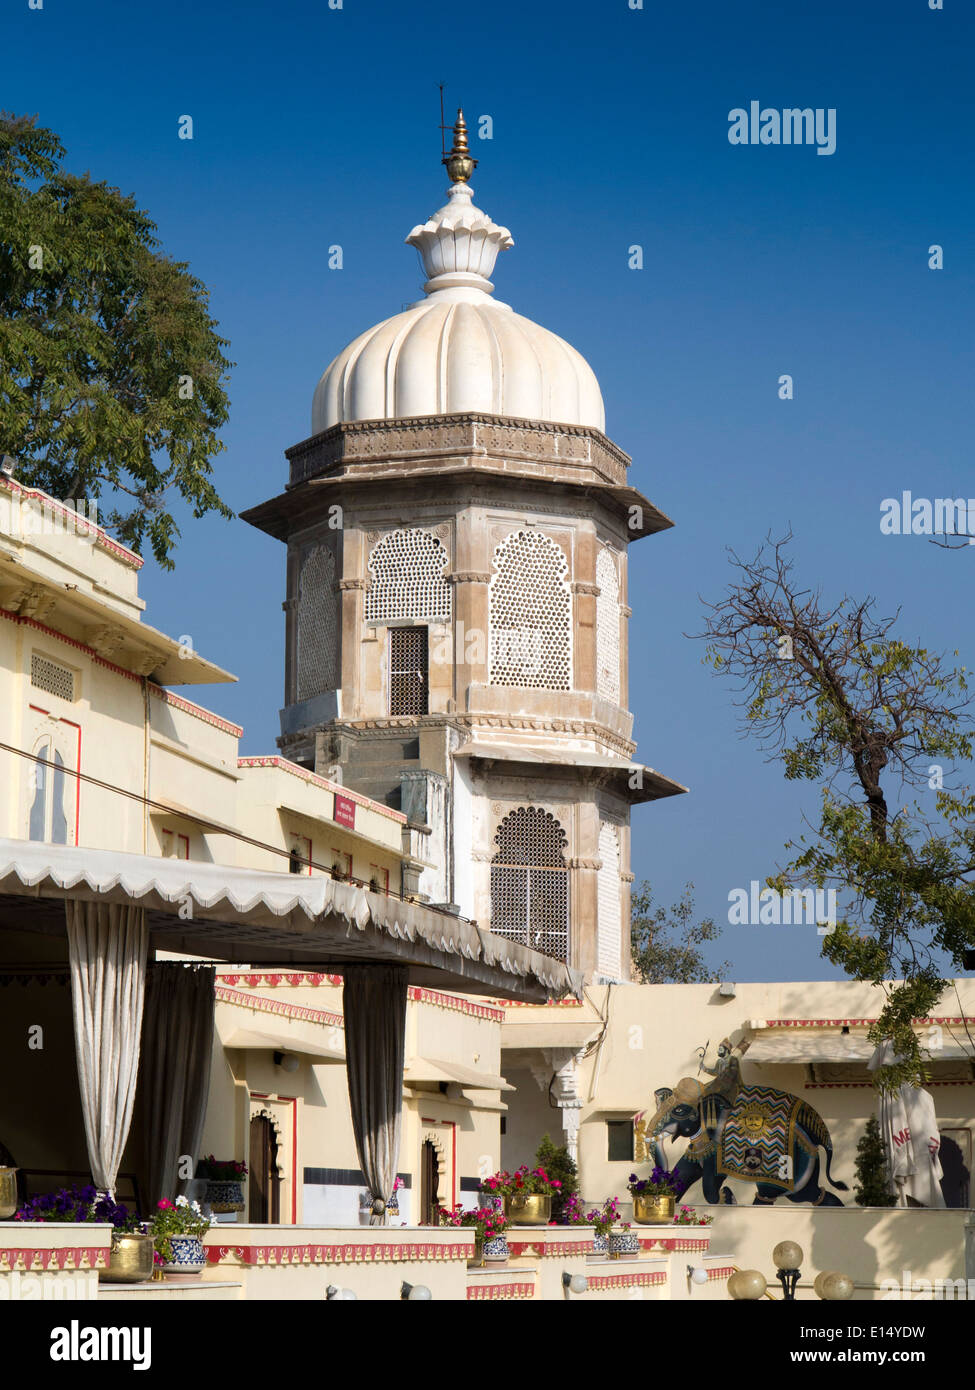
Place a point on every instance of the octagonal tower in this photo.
(456, 640)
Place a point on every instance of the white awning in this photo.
(433, 1069)
(236, 914)
(301, 1046)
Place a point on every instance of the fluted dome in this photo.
(458, 350)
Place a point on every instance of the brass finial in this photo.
(460, 163)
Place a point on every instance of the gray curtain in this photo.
(107, 945)
(374, 1001)
(177, 1046)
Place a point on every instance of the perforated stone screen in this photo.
(408, 670)
(407, 568)
(608, 628)
(48, 675)
(530, 614)
(609, 904)
(530, 882)
(318, 619)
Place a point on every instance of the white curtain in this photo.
(909, 1128)
(107, 944)
(374, 1000)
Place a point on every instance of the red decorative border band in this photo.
(73, 1257)
(722, 1272)
(275, 1255)
(79, 523)
(477, 1292)
(676, 1243)
(598, 1283)
(416, 993)
(850, 1022)
(278, 1006)
(198, 712)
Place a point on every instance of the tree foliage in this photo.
(111, 369)
(558, 1163)
(665, 941)
(835, 695)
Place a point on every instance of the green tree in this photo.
(872, 1186)
(111, 369)
(835, 695)
(664, 941)
(555, 1159)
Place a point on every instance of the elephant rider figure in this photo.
(753, 1133)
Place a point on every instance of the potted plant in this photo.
(687, 1216)
(224, 1179)
(557, 1162)
(603, 1219)
(131, 1257)
(490, 1224)
(177, 1230)
(654, 1197)
(526, 1196)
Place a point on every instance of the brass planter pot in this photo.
(8, 1193)
(131, 1260)
(651, 1211)
(534, 1209)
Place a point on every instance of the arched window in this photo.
(609, 908)
(608, 628)
(317, 624)
(48, 810)
(531, 614)
(530, 882)
(407, 569)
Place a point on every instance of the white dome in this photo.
(458, 350)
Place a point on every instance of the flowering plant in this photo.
(660, 1183)
(78, 1204)
(221, 1169)
(687, 1216)
(572, 1211)
(524, 1183)
(179, 1218)
(488, 1222)
(398, 1183)
(604, 1218)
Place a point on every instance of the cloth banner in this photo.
(107, 945)
(174, 1083)
(374, 1001)
(909, 1128)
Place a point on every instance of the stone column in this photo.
(351, 586)
(585, 591)
(470, 578)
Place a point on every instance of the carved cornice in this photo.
(580, 587)
(585, 863)
(469, 577)
(345, 584)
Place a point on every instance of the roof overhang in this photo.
(632, 780)
(434, 1069)
(225, 913)
(109, 633)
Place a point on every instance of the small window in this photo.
(619, 1141)
(299, 858)
(48, 675)
(174, 845)
(48, 819)
(408, 671)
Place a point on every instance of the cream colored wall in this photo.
(652, 1040)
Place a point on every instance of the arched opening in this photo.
(264, 1182)
(429, 1183)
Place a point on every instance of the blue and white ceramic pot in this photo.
(600, 1245)
(187, 1260)
(496, 1250)
(623, 1244)
(224, 1196)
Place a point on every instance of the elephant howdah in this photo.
(752, 1133)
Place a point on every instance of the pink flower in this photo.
(164, 1205)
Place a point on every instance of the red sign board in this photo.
(345, 811)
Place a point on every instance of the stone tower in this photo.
(456, 642)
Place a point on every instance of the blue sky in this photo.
(315, 126)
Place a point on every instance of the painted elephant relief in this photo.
(735, 1130)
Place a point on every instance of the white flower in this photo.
(182, 1202)
(195, 1206)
